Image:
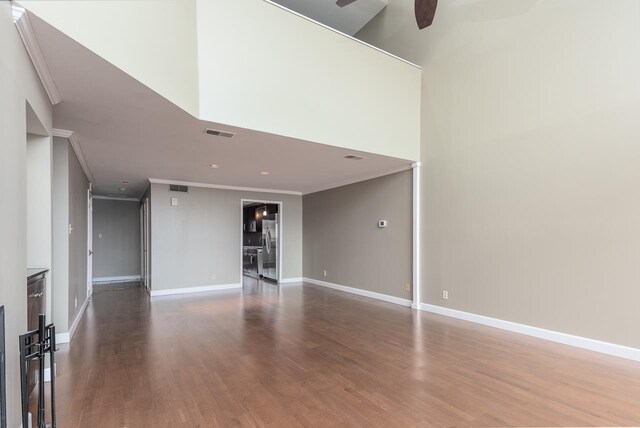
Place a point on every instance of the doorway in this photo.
(261, 240)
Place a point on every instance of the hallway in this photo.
(302, 355)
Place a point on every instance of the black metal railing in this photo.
(34, 345)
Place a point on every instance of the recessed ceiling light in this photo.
(122, 189)
(125, 181)
(265, 173)
(214, 166)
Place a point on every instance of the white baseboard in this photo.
(47, 373)
(554, 336)
(116, 279)
(361, 292)
(186, 290)
(66, 337)
(291, 280)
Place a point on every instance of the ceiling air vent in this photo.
(218, 133)
(177, 188)
(353, 157)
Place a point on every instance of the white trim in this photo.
(416, 234)
(224, 187)
(30, 41)
(67, 337)
(47, 372)
(62, 338)
(291, 280)
(343, 34)
(117, 278)
(75, 144)
(360, 292)
(554, 336)
(358, 180)
(115, 198)
(186, 290)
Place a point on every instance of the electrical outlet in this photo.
(445, 294)
(407, 287)
(324, 272)
(214, 276)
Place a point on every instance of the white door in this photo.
(89, 241)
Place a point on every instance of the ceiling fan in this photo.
(425, 11)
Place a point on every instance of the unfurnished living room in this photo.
(319, 213)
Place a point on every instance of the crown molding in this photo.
(223, 187)
(21, 19)
(75, 144)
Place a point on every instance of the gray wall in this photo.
(530, 159)
(78, 200)
(69, 209)
(60, 232)
(117, 252)
(19, 84)
(198, 242)
(341, 235)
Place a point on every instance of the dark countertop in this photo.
(35, 272)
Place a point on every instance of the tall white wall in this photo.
(153, 41)
(530, 150)
(251, 64)
(19, 84)
(266, 69)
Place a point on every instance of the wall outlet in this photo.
(324, 272)
(70, 229)
(214, 276)
(407, 287)
(100, 235)
(75, 303)
(445, 294)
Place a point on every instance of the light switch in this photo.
(382, 224)
(174, 202)
(100, 235)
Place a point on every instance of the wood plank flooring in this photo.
(302, 355)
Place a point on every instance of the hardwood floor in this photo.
(304, 355)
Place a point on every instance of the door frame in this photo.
(280, 229)
(146, 243)
(89, 240)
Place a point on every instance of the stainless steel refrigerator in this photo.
(270, 247)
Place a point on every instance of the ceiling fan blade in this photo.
(425, 11)
(343, 3)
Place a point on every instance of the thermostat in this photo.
(382, 223)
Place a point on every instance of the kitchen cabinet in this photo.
(36, 300)
(249, 219)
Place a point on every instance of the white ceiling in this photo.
(128, 132)
(348, 19)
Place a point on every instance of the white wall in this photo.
(266, 69)
(153, 41)
(251, 64)
(60, 233)
(18, 83)
(39, 177)
(530, 159)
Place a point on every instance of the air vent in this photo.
(353, 157)
(218, 133)
(177, 188)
